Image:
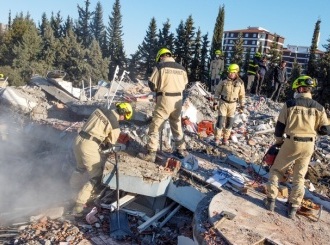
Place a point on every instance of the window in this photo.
(230, 48)
(254, 35)
(246, 34)
(232, 34)
(245, 42)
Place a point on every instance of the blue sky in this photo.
(293, 19)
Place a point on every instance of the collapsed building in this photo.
(213, 196)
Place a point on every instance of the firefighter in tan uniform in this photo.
(217, 67)
(168, 80)
(300, 119)
(229, 92)
(102, 127)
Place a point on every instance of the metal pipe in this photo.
(154, 218)
(170, 216)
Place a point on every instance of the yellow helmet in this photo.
(233, 68)
(161, 52)
(258, 55)
(1, 75)
(124, 108)
(304, 81)
(218, 52)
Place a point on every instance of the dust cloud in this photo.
(34, 174)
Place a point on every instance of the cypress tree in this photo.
(312, 62)
(218, 32)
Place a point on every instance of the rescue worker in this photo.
(229, 92)
(252, 72)
(101, 128)
(280, 77)
(300, 119)
(168, 80)
(217, 67)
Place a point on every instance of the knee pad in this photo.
(230, 122)
(220, 121)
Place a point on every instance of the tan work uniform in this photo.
(229, 92)
(168, 80)
(301, 119)
(101, 126)
(217, 66)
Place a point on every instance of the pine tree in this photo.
(55, 23)
(188, 42)
(237, 54)
(83, 30)
(312, 62)
(98, 67)
(70, 58)
(148, 49)
(245, 66)
(97, 26)
(49, 46)
(115, 42)
(44, 24)
(178, 43)
(218, 32)
(166, 38)
(13, 37)
(26, 53)
(295, 73)
(204, 59)
(68, 25)
(195, 67)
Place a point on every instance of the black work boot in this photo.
(292, 211)
(150, 156)
(269, 204)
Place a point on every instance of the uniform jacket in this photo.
(253, 66)
(231, 91)
(302, 117)
(168, 76)
(280, 75)
(217, 67)
(103, 124)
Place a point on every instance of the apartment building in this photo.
(300, 54)
(253, 38)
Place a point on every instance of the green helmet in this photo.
(304, 81)
(161, 52)
(258, 55)
(233, 68)
(218, 52)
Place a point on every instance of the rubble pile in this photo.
(207, 168)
